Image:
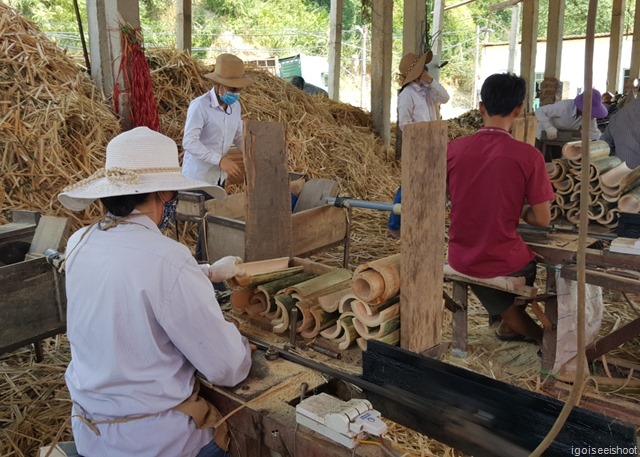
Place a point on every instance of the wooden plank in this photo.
(51, 233)
(33, 302)
(232, 206)
(605, 280)
(414, 24)
(190, 206)
(478, 415)
(615, 45)
(317, 228)
(555, 29)
(381, 53)
(314, 193)
(423, 225)
(335, 47)
(614, 339)
(224, 237)
(268, 227)
(530, 10)
(236, 155)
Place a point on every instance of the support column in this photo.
(634, 69)
(529, 42)
(551, 87)
(513, 36)
(438, 26)
(106, 47)
(413, 26)
(184, 25)
(381, 52)
(335, 48)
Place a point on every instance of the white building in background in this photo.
(495, 58)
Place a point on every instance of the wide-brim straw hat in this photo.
(138, 161)
(412, 65)
(598, 110)
(229, 71)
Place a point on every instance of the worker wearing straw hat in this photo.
(418, 101)
(141, 315)
(213, 125)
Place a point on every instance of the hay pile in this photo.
(53, 120)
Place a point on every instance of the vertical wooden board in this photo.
(615, 45)
(335, 47)
(268, 222)
(381, 52)
(224, 237)
(51, 233)
(424, 158)
(314, 193)
(555, 31)
(529, 42)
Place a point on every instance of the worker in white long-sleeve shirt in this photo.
(567, 115)
(141, 315)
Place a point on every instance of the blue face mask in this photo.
(168, 212)
(229, 98)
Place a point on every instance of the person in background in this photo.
(493, 181)
(567, 115)
(307, 88)
(418, 100)
(623, 134)
(141, 315)
(213, 125)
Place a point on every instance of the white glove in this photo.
(223, 269)
(552, 132)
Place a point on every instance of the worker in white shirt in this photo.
(213, 125)
(418, 101)
(567, 115)
(142, 317)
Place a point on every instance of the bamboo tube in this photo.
(630, 202)
(306, 320)
(373, 320)
(379, 331)
(254, 279)
(556, 212)
(392, 338)
(610, 198)
(343, 333)
(597, 150)
(336, 330)
(597, 210)
(267, 290)
(565, 202)
(601, 166)
(258, 303)
(330, 302)
(629, 181)
(559, 169)
(610, 217)
(367, 289)
(321, 285)
(575, 196)
(321, 320)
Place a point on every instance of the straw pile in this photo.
(52, 119)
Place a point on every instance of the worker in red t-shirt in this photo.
(493, 181)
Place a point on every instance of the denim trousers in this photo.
(212, 450)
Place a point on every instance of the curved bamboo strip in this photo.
(372, 319)
(573, 215)
(285, 303)
(556, 212)
(597, 150)
(321, 285)
(306, 320)
(392, 338)
(630, 202)
(610, 198)
(240, 299)
(330, 302)
(336, 330)
(258, 304)
(345, 303)
(558, 170)
(564, 201)
(349, 334)
(321, 320)
(597, 210)
(378, 331)
(365, 285)
(264, 293)
(575, 197)
(601, 166)
(629, 181)
(610, 217)
(565, 187)
(612, 178)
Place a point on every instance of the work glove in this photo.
(552, 132)
(223, 269)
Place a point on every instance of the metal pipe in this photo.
(325, 351)
(380, 206)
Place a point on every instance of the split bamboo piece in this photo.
(345, 303)
(262, 271)
(630, 202)
(321, 285)
(377, 332)
(240, 299)
(321, 320)
(392, 338)
(597, 150)
(558, 170)
(264, 293)
(377, 281)
(343, 332)
(601, 166)
(375, 317)
(331, 302)
(285, 304)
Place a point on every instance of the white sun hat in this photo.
(138, 161)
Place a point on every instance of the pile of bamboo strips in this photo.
(613, 187)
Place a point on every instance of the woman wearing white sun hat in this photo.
(141, 315)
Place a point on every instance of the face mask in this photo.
(229, 98)
(168, 212)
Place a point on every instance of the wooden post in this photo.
(381, 51)
(335, 48)
(106, 47)
(615, 46)
(555, 27)
(423, 225)
(413, 26)
(634, 68)
(268, 216)
(438, 26)
(183, 20)
(529, 42)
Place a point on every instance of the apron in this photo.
(204, 414)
